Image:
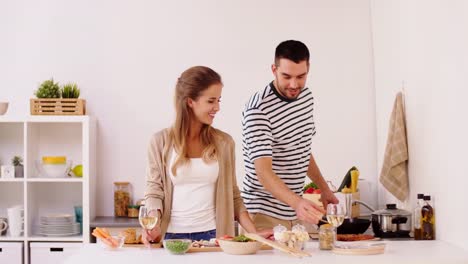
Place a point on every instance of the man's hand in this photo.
(266, 233)
(328, 197)
(151, 235)
(309, 212)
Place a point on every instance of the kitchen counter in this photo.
(399, 252)
(111, 221)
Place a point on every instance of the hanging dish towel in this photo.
(394, 174)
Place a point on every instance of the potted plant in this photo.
(48, 89)
(70, 90)
(55, 100)
(17, 162)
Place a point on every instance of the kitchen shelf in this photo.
(12, 180)
(57, 239)
(10, 238)
(55, 180)
(33, 137)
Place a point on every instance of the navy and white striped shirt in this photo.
(280, 128)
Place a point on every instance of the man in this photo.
(277, 133)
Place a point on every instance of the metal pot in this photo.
(391, 222)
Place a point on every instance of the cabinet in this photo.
(51, 253)
(11, 252)
(32, 138)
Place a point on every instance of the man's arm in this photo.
(305, 209)
(315, 175)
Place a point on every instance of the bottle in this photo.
(122, 198)
(427, 220)
(417, 217)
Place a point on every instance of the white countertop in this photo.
(396, 252)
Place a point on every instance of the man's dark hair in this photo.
(292, 50)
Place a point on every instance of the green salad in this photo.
(241, 238)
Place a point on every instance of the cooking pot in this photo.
(391, 222)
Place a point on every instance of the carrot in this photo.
(105, 237)
(102, 232)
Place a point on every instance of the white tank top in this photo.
(193, 201)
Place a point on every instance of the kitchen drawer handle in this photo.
(0, 249)
(56, 249)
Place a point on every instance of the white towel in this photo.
(394, 174)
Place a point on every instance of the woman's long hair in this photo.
(191, 84)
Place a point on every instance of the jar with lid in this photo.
(326, 237)
(122, 198)
(133, 210)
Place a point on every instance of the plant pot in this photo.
(19, 171)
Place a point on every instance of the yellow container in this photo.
(54, 160)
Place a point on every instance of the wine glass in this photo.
(335, 216)
(148, 218)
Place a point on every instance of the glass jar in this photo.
(122, 200)
(133, 211)
(326, 237)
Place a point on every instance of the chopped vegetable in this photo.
(177, 246)
(241, 238)
(310, 185)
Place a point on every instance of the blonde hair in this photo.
(191, 83)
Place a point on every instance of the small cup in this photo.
(16, 220)
(3, 226)
(79, 216)
(3, 107)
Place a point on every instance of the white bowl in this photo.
(53, 170)
(239, 248)
(3, 107)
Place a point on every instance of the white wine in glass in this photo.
(335, 214)
(148, 218)
(335, 217)
(335, 220)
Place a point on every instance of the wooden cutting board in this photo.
(291, 251)
(154, 245)
(218, 249)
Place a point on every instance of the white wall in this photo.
(424, 44)
(126, 56)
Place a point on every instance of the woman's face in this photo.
(206, 105)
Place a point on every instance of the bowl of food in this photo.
(177, 246)
(3, 107)
(53, 167)
(239, 245)
(295, 238)
(112, 242)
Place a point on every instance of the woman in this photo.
(191, 179)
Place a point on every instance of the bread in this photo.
(130, 236)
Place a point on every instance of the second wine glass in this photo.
(335, 217)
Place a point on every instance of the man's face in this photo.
(290, 77)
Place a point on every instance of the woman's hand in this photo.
(152, 235)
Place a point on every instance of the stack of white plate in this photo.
(58, 225)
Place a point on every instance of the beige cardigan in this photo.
(158, 193)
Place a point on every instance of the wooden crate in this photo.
(58, 106)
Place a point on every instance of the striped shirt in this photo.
(280, 128)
